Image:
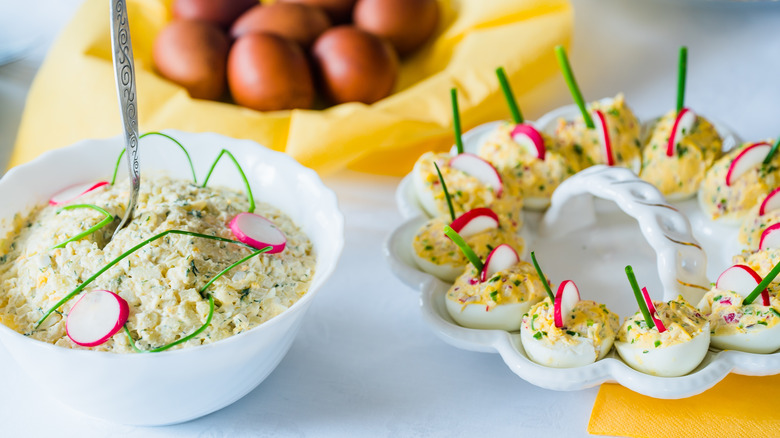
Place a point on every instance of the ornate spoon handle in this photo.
(124, 74)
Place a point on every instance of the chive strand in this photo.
(456, 120)
(186, 153)
(772, 152)
(446, 193)
(682, 72)
(464, 247)
(105, 221)
(233, 265)
(763, 285)
(110, 264)
(568, 75)
(542, 278)
(249, 195)
(517, 116)
(639, 298)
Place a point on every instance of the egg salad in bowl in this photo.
(675, 158)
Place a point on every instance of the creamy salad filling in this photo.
(728, 316)
(518, 284)
(161, 281)
(587, 320)
(683, 322)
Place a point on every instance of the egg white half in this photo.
(560, 355)
(507, 317)
(758, 341)
(424, 193)
(447, 272)
(672, 361)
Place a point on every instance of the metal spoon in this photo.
(124, 74)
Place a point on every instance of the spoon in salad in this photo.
(124, 75)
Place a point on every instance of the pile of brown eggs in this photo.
(279, 56)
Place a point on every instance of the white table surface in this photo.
(364, 363)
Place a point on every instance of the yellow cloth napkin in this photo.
(738, 406)
(73, 95)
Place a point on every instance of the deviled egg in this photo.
(613, 141)
(569, 332)
(759, 218)
(738, 180)
(736, 325)
(530, 158)
(496, 296)
(483, 230)
(681, 147)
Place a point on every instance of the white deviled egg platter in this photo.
(600, 220)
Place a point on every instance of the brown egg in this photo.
(339, 11)
(298, 22)
(268, 73)
(219, 12)
(193, 54)
(355, 66)
(407, 24)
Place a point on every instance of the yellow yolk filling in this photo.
(683, 322)
(518, 284)
(587, 319)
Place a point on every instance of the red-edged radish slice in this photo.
(475, 221)
(95, 317)
(501, 258)
(770, 237)
(682, 125)
(741, 279)
(257, 232)
(479, 169)
(752, 156)
(651, 308)
(529, 137)
(771, 202)
(566, 298)
(74, 192)
(603, 132)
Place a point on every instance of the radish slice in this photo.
(770, 238)
(501, 258)
(257, 232)
(603, 131)
(95, 317)
(771, 202)
(565, 299)
(475, 221)
(741, 279)
(528, 137)
(479, 169)
(74, 192)
(682, 125)
(752, 156)
(651, 308)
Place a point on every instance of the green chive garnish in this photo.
(682, 69)
(761, 286)
(122, 153)
(456, 120)
(639, 298)
(108, 266)
(446, 193)
(517, 116)
(249, 195)
(542, 278)
(772, 152)
(464, 247)
(211, 309)
(106, 220)
(568, 75)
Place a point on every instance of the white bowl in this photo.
(180, 385)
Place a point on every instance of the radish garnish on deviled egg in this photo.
(522, 152)
(759, 219)
(606, 132)
(494, 294)
(743, 314)
(681, 146)
(473, 182)
(665, 339)
(564, 331)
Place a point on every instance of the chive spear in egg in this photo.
(564, 300)
(541, 276)
(523, 133)
(686, 118)
(568, 75)
(456, 120)
(640, 299)
(772, 152)
(761, 287)
(500, 258)
(446, 193)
